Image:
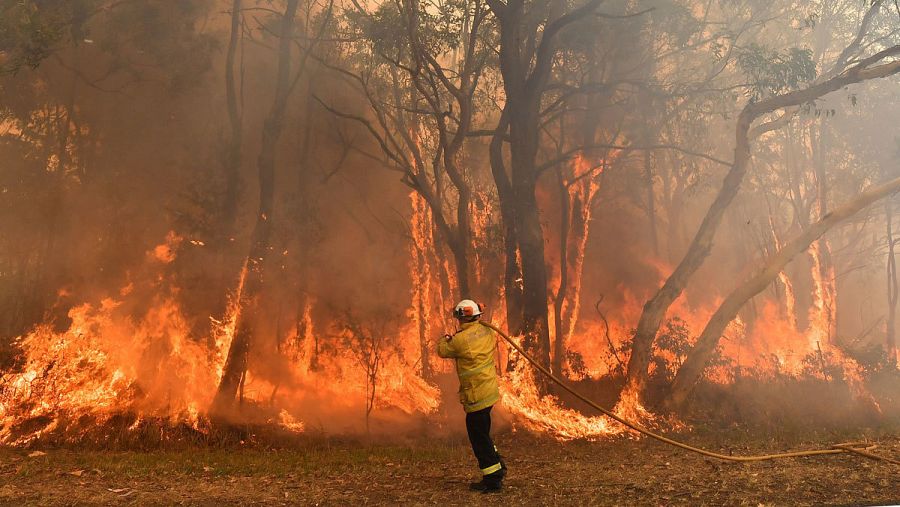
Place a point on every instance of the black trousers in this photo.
(478, 425)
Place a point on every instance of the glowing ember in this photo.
(166, 251)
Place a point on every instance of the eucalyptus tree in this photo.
(253, 279)
(778, 86)
(418, 66)
(529, 46)
(639, 60)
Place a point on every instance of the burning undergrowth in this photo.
(88, 384)
(137, 367)
(107, 364)
(127, 366)
(133, 372)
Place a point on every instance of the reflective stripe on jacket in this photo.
(473, 348)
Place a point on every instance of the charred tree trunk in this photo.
(440, 266)
(461, 243)
(423, 246)
(231, 165)
(535, 325)
(424, 342)
(692, 368)
(891, 331)
(233, 154)
(649, 139)
(513, 273)
(655, 309)
(559, 345)
(459, 247)
(825, 262)
(526, 69)
(249, 299)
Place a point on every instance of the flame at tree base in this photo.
(133, 365)
(544, 413)
(128, 366)
(146, 374)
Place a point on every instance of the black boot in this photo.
(486, 486)
(490, 483)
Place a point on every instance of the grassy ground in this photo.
(542, 471)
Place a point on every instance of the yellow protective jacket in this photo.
(473, 348)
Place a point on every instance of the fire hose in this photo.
(858, 448)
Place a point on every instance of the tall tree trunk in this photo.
(423, 279)
(559, 344)
(891, 334)
(460, 238)
(526, 66)
(459, 247)
(231, 167)
(649, 139)
(655, 309)
(692, 368)
(523, 147)
(233, 153)
(513, 273)
(236, 362)
(823, 261)
(651, 202)
(422, 249)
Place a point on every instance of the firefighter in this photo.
(473, 349)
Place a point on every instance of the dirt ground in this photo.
(328, 471)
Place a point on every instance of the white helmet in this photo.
(467, 308)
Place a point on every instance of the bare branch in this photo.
(402, 163)
(616, 147)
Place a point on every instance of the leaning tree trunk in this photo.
(692, 368)
(249, 299)
(655, 309)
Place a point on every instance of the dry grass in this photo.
(337, 472)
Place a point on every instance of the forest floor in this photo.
(329, 471)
